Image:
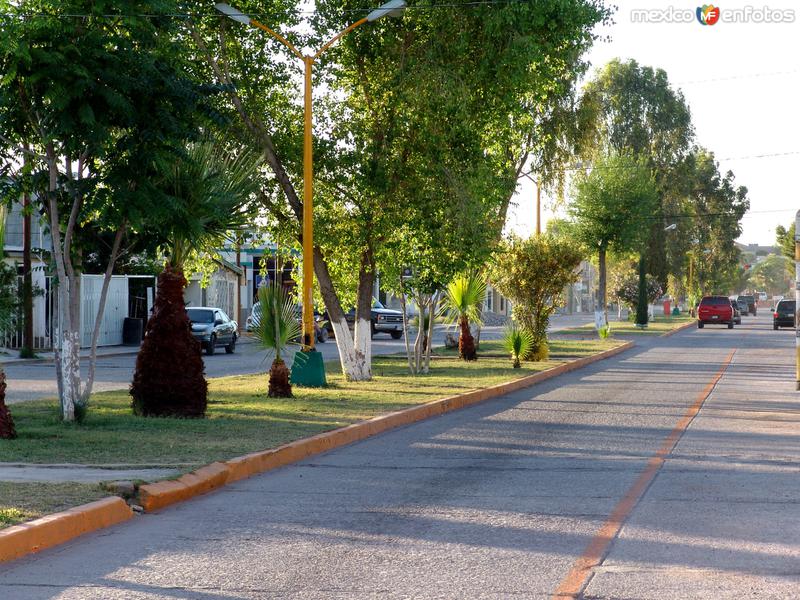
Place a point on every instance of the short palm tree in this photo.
(205, 193)
(277, 329)
(463, 302)
(518, 343)
(7, 310)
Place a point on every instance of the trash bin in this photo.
(132, 331)
(667, 310)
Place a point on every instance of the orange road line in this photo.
(594, 554)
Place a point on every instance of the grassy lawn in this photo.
(25, 501)
(241, 419)
(656, 326)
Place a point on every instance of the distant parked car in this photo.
(783, 316)
(212, 327)
(751, 304)
(737, 315)
(742, 304)
(715, 309)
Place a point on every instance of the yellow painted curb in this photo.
(158, 495)
(153, 496)
(34, 536)
(679, 328)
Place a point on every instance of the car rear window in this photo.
(200, 315)
(787, 305)
(749, 299)
(715, 301)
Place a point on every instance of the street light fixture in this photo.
(671, 227)
(308, 367)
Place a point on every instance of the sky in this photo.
(742, 84)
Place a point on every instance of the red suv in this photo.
(715, 309)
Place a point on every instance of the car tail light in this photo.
(775, 315)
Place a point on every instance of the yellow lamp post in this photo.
(309, 368)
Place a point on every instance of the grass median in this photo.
(656, 326)
(242, 418)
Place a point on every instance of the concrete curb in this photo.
(34, 536)
(159, 495)
(679, 328)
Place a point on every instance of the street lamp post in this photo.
(797, 299)
(309, 368)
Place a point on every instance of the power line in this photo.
(735, 77)
(588, 166)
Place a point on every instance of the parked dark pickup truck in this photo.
(383, 320)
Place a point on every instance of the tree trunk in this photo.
(431, 323)
(169, 378)
(279, 380)
(601, 291)
(27, 350)
(363, 325)
(67, 336)
(101, 307)
(7, 431)
(353, 363)
(404, 307)
(466, 343)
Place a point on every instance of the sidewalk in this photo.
(10, 357)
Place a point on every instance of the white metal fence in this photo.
(116, 309)
(43, 316)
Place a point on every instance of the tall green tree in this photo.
(784, 238)
(92, 122)
(712, 223)
(632, 108)
(205, 194)
(613, 207)
(463, 99)
(771, 275)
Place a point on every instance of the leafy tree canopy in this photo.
(613, 203)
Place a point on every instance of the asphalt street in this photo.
(35, 380)
(505, 499)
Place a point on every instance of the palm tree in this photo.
(464, 300)
(518, 342)
(7, 310)
(277, 328)
(205, 193)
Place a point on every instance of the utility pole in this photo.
(27, 350)
(239, 282)
(797, 298)
(538, 206)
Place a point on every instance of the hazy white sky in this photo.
(742, 84)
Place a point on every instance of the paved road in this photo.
(31, 381)
(503, 499)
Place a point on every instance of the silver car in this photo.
(212, 327)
